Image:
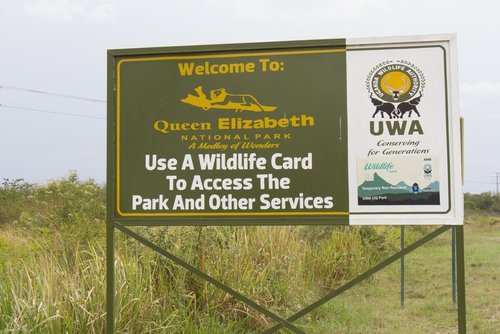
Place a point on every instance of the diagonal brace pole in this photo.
(360, 278)
(196, 271)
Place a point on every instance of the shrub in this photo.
(482, 203)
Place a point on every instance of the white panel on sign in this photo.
(402, 128)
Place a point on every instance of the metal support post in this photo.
(110, 278)
(402, 267)
(454, 264)
(462, 328)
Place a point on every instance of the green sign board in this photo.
(274, 133)
(360, 131)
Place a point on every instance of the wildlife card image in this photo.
(398, 181)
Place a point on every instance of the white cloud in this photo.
(54, 10)
(298, 11)
(482, 87)
(465, 105)
(101, 13)
(67, 10)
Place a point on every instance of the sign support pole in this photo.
(110, 278)
(454, 264)
(110, 227)
(402, 267)
(462, 328)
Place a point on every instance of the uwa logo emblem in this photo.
(395, 89)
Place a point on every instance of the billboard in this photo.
(361, 131)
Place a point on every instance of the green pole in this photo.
(110, 278)
(462, 328)
(454, 264)
(402, 267)
(110, 224)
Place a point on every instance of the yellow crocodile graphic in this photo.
(220, 99)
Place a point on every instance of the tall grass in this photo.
(53, 280)
(46, 292)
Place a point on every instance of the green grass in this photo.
(374, 306)
(52, 272)
(42, 294)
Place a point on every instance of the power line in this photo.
(50, 112)
(88, 99)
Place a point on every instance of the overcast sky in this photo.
(59, 46)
